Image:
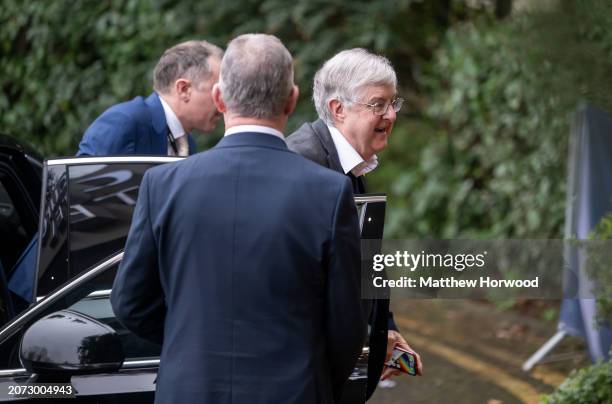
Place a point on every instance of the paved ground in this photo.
(473, 354)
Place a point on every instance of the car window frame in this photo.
(55, 217)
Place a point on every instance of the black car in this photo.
(77, 233)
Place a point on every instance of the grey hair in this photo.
(346, 74)
(256, 76)
(187, 60)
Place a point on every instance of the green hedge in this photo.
(599, 268)
(478, 151)
(591, 385)
(64, 62)
(492, 159)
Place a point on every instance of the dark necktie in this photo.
(358, 184)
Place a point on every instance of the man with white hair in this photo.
(255, 298)
(355, 95)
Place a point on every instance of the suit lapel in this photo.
(322, 132)
(333, 161)
(192, 144)
(159, 141)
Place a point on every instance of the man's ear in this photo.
(292, 100)
(183, 89)
(337, 110)
(218, 98)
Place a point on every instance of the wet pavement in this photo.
(472, 353)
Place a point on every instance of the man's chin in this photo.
(380, 146)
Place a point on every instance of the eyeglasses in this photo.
(381, 108)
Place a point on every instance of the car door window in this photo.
(102, 200)
(13, 235)
(97, 305)
(92, 299)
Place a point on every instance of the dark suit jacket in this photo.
(130, 128)
(255, 298)
(313, 141)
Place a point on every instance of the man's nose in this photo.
(390, 115)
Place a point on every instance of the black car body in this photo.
(84, 217)
(20, 186)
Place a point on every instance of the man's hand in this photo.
(394, 339)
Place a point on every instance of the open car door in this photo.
(85, 217)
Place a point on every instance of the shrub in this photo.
(495, 165)
(591, 385)
(501, 99)
(599, 268)
(59, 73)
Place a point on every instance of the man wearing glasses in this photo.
(355, 97)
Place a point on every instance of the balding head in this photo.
(256, 79)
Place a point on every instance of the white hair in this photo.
(346, 74)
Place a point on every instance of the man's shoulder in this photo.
(125, 117)
(117, 129)
(135, 109)
(293, 164)
(314, 169)
(307, 141)
(319, 168)
(160, 177)
(304, 137)
(183, 168)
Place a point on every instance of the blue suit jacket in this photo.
(256, 297)
(130, 128)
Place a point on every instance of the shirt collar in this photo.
(350, 160)
(172, 121)
(254, 128)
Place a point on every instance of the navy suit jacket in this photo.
(136, 127)
(255, 297)
(313, 141)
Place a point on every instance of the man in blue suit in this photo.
(161, 123)
(255, 298)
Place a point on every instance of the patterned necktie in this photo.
(172, 146)
(178, 147)
(183, 146)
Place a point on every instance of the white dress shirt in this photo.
(254, 128)
(176, 130)
(350, 160)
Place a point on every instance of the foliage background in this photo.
(589, 385)
(64, 62)
(599, 268)
(479, 150)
